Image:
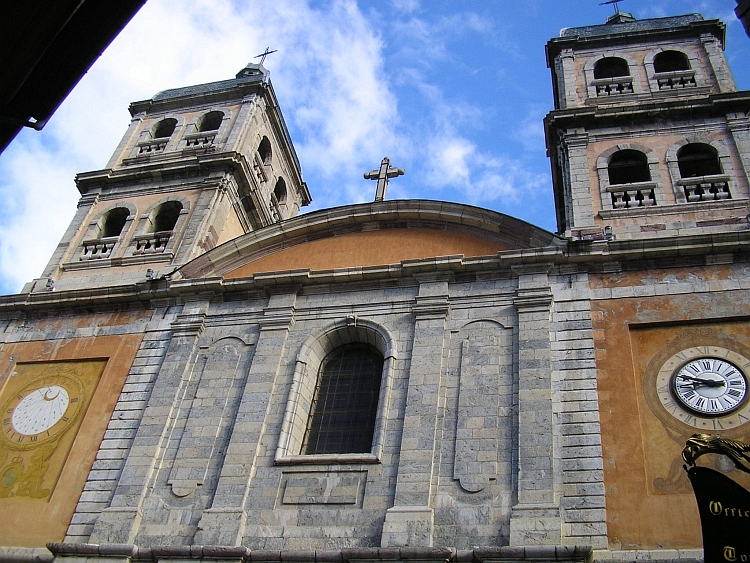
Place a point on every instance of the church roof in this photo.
(370, 234)
(631, 27)
(252, 74)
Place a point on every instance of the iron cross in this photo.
(615, 4)
(265, 53)
(382, 175)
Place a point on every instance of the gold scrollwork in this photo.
(701, 444)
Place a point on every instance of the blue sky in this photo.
(453, 91)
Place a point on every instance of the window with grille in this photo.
(345, 405)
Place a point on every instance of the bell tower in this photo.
(649, 136)
(197, 167)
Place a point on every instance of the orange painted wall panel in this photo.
(369, 249)
(32, 522)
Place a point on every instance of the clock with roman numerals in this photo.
(41, 411)
(710, 386)
(706, 387)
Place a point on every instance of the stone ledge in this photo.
(541, 554)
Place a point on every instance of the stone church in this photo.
(202, 374)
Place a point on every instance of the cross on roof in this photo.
(265, 53)
(615, 4)
(382, 175)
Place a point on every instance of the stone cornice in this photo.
(582, 254)
(540, 554)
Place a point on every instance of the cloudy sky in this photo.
(454, 91)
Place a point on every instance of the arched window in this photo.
(264, 150)
(698, 159)
(165, 217)
(211, 121)
(114, 221)
(345, 403)
(165, 128)
(280, 190)
(671, 61)
(628, 167)
(611, 67)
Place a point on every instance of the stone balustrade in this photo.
(637, 194)
(676, 80)
(154, 145)
(200, 139)
(151, 243)
(613, 86)
(95, 249)
(706, 188)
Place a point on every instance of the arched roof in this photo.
(367, 235)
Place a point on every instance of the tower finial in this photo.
(265, 53)
(615, 5)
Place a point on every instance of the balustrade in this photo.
(200, 139)
(706, 188)
(613, 86)
(626, 196)
(676, 80)
(99, 248)
(151, 243)
(156, 145)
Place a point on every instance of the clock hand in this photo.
(699, 380)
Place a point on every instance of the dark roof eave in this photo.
(611, 36)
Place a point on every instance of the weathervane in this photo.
(265, 53)
(615, 4)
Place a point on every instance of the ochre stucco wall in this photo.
(29, 522)
(369, 249)
(650, 504)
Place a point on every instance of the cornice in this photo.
(644, 107)
(593, 255)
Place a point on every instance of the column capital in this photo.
(533, 300)
(431, 307)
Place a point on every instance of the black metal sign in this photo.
(724, 508)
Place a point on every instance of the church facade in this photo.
(200, 373)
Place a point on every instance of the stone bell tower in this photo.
(197, 167)
(649, 136)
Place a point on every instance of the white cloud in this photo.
(456, 163)
(405, 6)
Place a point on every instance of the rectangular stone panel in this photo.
(329, 487)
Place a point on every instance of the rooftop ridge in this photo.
(637, 25)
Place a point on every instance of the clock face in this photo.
(705, 387)
(41, 410)
(710, 386)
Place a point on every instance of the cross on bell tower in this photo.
(382, 175)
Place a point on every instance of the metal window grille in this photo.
(346, 401)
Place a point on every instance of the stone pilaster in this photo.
(121, 521)
(410, 521)
(224, 523)
(739, 127)
(535, 519)
(568, 97)
(576, 145)
(718, 63)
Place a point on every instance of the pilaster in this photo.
(576, 144)
(566, 80)
(410, 522)
(718, 63)
(121, 521)
(535, 519)
(739, 127)
(224, 523)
